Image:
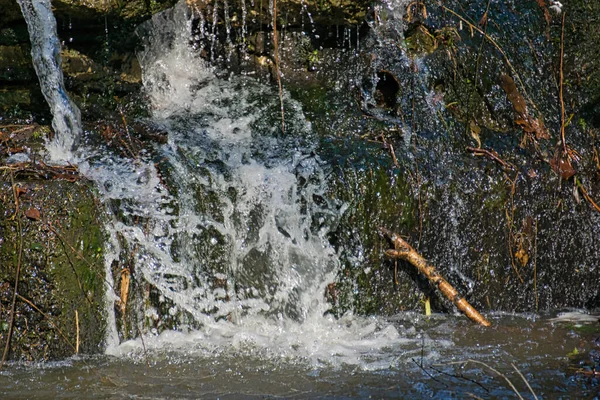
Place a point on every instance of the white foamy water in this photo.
(317, 341)
(229, 235)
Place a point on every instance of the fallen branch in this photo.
(404, 251)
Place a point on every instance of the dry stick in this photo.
(276, 56)
(76, 252)
(77, 332)
(477, 63)
(560, 92)
(404, 251)
(510, 221)
(17, 273)
(414, 143)
(83, 291)
(144, 346)
(535, 267)
(491, 154)
(586, 195)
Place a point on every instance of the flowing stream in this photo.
(222, 223)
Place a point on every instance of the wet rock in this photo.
(15, 64)
(51, 234)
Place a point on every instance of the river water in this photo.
(227, 233)
(428, 363)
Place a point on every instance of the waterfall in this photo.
(225, 226)
(45, 52)
(234, 221)
(237, 189)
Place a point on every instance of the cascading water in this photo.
(45, 51)
(225, 230)
(234, 239)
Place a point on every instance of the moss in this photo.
(61, 269)
(376, 196)
(585, 329)
(419, 41)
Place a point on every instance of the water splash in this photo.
(45, 51)
(234, 242)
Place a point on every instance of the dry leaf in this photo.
(562, 166)
(522, 256)
(33, 213)
(125, 279)
(516, 99)
(475, 130)
(19, 191)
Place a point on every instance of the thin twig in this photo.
(477, 63)
(79, 255)
(510, 221)
(276, 57)
(459, 376)
(560, 93)
(77, 332)
(497, 46)
(491, 154)
(144, 347)
(524, 380)
(36, 308)
(427, 372)
(488, 367)
(586, 195)
(535, 292)
(17, 273)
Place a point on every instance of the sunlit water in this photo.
(229, 234)
(45, 52)
(178, 365)
(232, 204)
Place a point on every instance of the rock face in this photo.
(53, 242)
(441, 129)
(471, 167)
(100, 68)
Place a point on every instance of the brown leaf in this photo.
(562, 166)
(538, 128)
(522, 256)
(532, 125)
(33, 213)
(475, 130)
(483, 20)
(544, 9)
(19, 191)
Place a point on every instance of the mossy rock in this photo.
(15, 63)
(54, 237)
